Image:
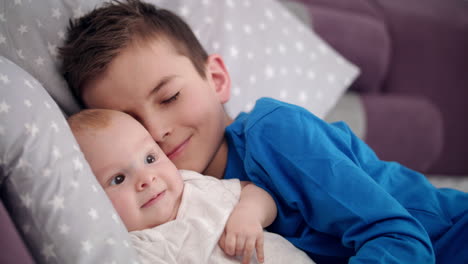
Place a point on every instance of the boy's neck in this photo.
(218, 164)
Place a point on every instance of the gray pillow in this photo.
(61, 211)
(267, 50)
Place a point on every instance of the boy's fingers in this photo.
(259, 248)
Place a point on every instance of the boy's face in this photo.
(182, 111)
(143, 184)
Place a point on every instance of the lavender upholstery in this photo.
(11, 244)
(418, 128)
(436, 39)
(414, 75)
(349, 26)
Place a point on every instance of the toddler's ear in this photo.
(218, 75)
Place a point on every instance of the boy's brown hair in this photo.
(95, 39)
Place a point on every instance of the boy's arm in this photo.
(244, 229)
(328, 182)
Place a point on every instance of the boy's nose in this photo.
(158, 129)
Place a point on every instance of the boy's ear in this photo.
(218, 75)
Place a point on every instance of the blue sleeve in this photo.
(313, 167)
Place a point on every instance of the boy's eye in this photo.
(172, 98)
(150, 159)
(118, 179)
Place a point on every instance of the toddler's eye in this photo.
(118, 179)
(150, 159)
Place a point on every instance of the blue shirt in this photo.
(336, 200)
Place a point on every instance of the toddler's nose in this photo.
(145, 180)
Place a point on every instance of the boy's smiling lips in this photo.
(178, 149)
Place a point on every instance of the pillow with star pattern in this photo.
(61, 211)
(267, 50)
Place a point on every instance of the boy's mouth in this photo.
(178, 150)
(154, 199)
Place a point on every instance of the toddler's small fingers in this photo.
(248, 251)
(259, 249)
(230, 245)
(222, 242)
(240, 245)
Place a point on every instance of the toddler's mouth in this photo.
(153, 199)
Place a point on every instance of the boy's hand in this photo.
(243, 233)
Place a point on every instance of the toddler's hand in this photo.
(242, 234)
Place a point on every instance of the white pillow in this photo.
(268, 51)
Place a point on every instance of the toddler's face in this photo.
(143, 184)
(162, 89)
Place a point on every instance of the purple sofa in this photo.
(413, 56)
(13, 248)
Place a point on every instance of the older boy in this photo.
(336, 200)
(160, 205)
